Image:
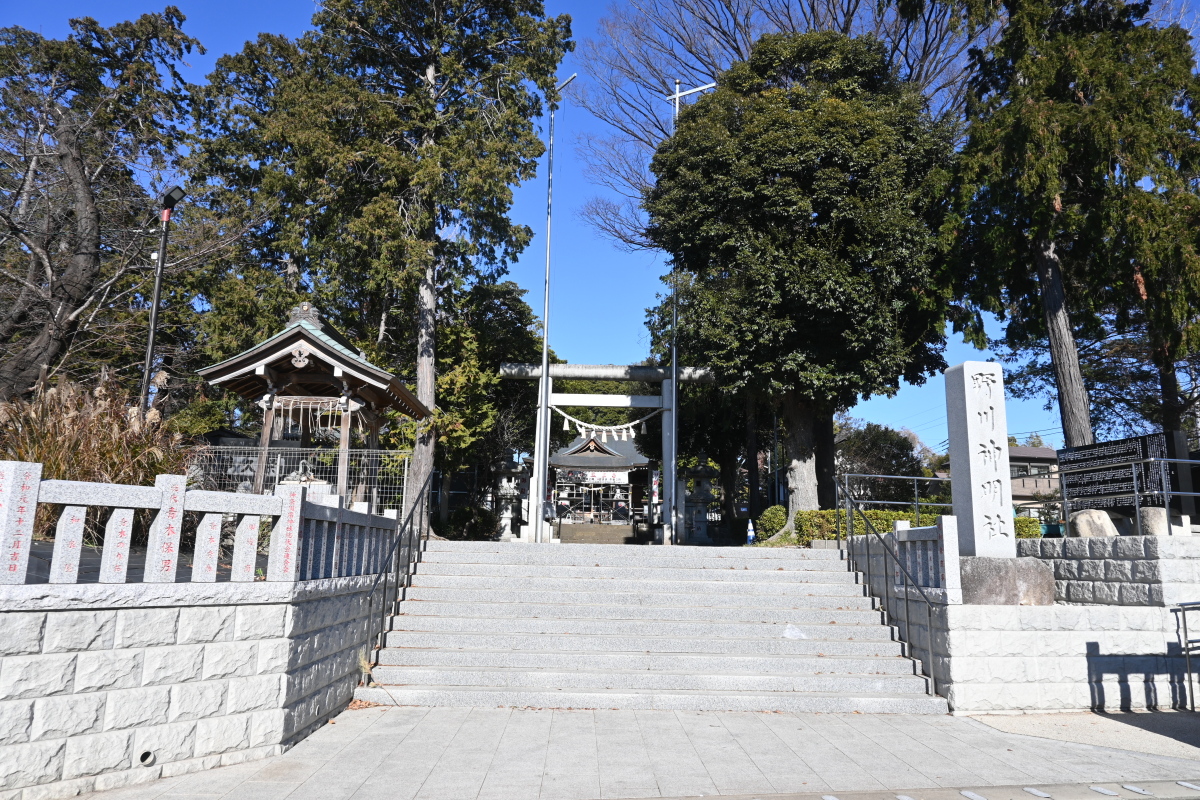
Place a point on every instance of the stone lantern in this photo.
(508, 495)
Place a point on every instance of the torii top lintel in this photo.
(610, 372)
(310, 358)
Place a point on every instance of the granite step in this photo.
(641, 628)
(631, 557)
(618, 626)
(641, 644)
(551, 679)
(696, 663)
(821, 583)
(625, 611)
(848, 601)
(520, 550)
(786, 572)
(797, 702)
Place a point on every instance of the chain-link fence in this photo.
(375, 476)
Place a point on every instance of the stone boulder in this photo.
(1007, 581)
(1092, 522)
(1154, 523)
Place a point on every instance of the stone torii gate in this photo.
(610, 372)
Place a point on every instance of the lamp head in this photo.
(173, 196)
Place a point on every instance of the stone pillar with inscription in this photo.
(979, 474)
(19, 483)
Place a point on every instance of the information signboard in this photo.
(1093, 489)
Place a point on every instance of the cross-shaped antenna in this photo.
(680, 95)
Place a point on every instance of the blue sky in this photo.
(598, 294)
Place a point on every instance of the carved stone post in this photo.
(979, 475)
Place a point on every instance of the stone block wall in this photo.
(1121, 570)
(1054, 658)
(104, 686)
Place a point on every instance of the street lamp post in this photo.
(672, 458)
(169, 200)
(541, 443)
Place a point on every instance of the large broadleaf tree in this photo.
(800, 204)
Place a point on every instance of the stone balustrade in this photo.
(280, 537)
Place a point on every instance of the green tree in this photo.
(800, 203)
(1124, 384)
(873, 449)
(483, 419)
(385, 144)
(1081, 139)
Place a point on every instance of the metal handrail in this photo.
(404, 535)
(1188, 643)
(852, 504)
(916, 501)
(902, 477)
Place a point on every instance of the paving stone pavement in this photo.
(408, 753)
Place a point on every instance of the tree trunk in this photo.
(1172, 408)
(1072, 395)
(799, 425)
(728, 464)
(423, 451)
(20, 372)
(69, 292)
(754, 503)
(826, 449)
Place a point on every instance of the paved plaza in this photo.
(406, 753)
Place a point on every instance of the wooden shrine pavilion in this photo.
(318, 393)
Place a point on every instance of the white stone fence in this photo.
(306, 541)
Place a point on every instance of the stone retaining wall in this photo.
(1121, 570)
(1054, 658)
(104, 686)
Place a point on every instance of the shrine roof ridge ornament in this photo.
(610, 372)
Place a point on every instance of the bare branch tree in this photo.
(86, 123)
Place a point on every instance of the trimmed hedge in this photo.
(770, 522)
(812, 525)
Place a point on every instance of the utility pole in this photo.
(169, 201)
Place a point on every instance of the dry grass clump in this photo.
(97, 435)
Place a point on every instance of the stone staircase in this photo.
(626, 627)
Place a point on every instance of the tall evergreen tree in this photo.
(1077, 110)
(800, 203)
(390, 137)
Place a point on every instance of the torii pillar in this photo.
(672, 514)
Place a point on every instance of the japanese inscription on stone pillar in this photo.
(284, 562)
(979, 473)
(162, 551)
(19, 484)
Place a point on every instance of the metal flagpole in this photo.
(541, 447)
(672, 458)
